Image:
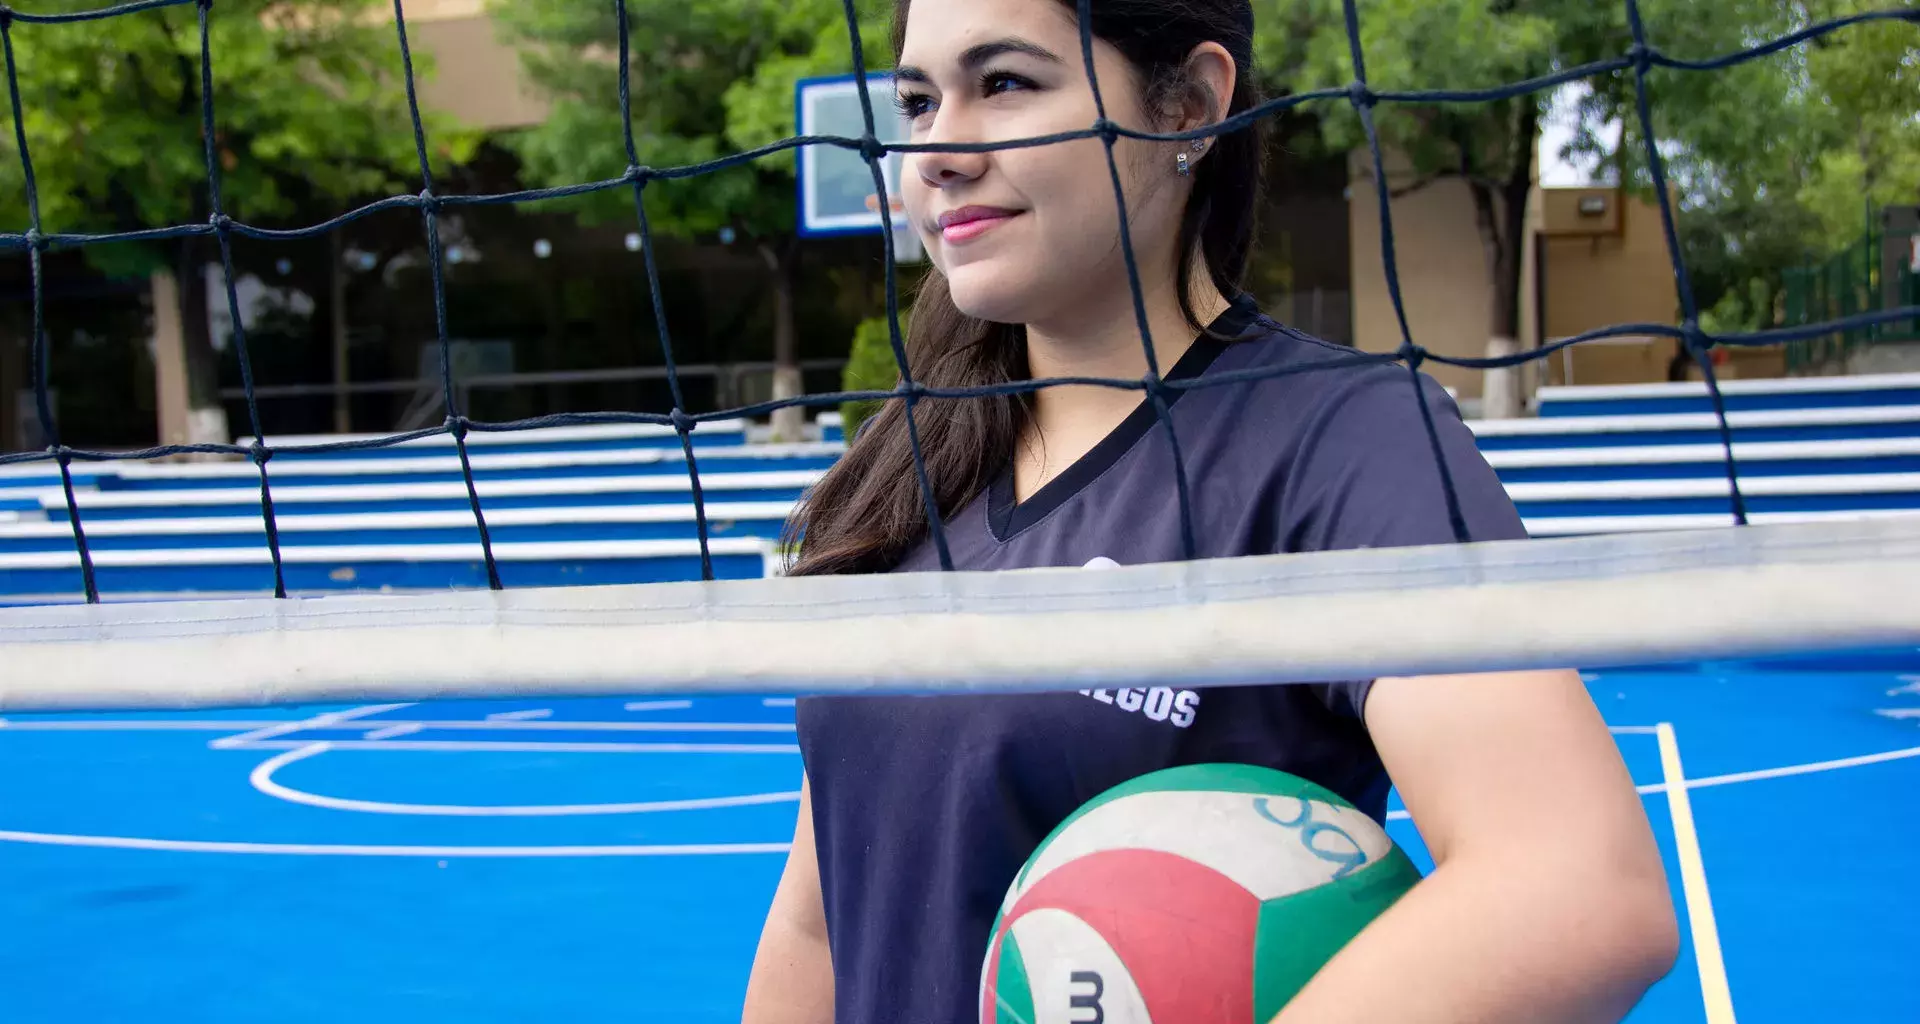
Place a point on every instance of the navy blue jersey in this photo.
(925, 807)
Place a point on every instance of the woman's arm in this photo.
(792, 979)
(1548, 902)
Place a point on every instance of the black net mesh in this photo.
(1642, 57)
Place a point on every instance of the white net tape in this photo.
(1574, 602)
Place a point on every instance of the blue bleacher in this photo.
(613, 504)
(1862, 391)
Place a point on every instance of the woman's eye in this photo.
(912, 105)
(992, 82)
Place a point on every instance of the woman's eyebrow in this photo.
(974, 56)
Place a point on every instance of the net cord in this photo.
(1748, 592)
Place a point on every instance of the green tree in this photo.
(1772, 162)
(707, 79)
(870, 367)
(309, 113)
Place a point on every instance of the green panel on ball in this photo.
(1196, 778)
(1012, 992)
(1298, 934)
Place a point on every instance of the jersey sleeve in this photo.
(1366, 474)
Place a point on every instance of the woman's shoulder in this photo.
(1274, 365)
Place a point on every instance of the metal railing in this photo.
(427, 404)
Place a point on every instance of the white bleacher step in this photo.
(1568, 526)
(188, 526)
(521, 551)
(487, 438)
(40, 493)
(1713, 487)
(557, 486)
(1748, 386)
(1743, 451)
(45, 470)
(292, 470)
(1742, 419)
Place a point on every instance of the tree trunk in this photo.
(337, 314)
(193, 358)
(789, 424)
(1502, 216)
(13, 377)
(169, 359)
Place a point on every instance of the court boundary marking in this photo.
(262, 779)
(1715, 992)
(413, 850)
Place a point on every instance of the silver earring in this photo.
(1182, 164)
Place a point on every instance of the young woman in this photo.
(1548, 901)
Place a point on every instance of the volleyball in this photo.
(1203, 894)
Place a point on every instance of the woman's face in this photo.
(1027, 235)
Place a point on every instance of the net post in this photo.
(1699, 345)
(221, 225)
(38, 345)
(1152, 383)
(457, 423)
(873, 150)
(639, 175)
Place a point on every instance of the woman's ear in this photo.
(1211, 77)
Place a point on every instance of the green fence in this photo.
(1848, 283)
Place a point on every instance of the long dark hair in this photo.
(867, 511)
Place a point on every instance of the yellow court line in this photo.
(1714, 990)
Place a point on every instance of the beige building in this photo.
(478, 77)
(1593, 258)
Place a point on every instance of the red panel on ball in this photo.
(1185, 931)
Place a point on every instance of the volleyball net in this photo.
(1591, 601)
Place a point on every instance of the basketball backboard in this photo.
(835, 186)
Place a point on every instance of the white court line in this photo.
(520, 716)
(348, 850)
(262, 780)
(316, 722)
(658, 705)
(1897, 712)
(136, 725)
(1794, 769)
(1913, 686)
(1714, 990)
(777, 702)
(566, 726)
(387, 734)
(1757, 775)
(535, 747)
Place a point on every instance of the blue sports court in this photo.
(603, 859)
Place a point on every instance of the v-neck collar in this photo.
(1006, 518)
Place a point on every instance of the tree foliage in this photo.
(1770, 162)
(706, 80)
(1773, 162)
(310, 113)
(308, 108)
